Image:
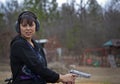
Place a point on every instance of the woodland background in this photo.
(87, 26)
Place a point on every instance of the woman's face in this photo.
(27, 30)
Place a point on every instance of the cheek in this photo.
(22, 30)
(34, 29)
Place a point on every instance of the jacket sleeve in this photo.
(25, 54)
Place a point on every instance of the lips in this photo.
(28, 33)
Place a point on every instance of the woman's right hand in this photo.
(68, 78)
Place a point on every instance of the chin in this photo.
(28, 37)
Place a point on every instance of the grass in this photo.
(99, 75)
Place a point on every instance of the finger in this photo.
(65, 83)
(73, 78)
(73, 82)
(74, 75)
(69, 82)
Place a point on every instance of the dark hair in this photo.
(27, 17)
(27, 20)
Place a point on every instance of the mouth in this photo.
(28, 33)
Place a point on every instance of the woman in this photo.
(27, 59)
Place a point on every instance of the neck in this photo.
(29, 40)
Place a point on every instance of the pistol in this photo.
(81, 74)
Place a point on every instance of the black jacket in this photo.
(28, 64)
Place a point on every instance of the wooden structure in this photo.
(99, 56)
(94, 57)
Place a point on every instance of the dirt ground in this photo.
(98, 75)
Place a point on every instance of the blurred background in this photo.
(70, 27)
(76, 31)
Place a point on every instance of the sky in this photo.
(101, 2)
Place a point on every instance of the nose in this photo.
(27, 27)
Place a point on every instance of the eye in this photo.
(31, 25)
(24, 25)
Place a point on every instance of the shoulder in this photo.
(17, 41)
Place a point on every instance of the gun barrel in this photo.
(81, 74)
